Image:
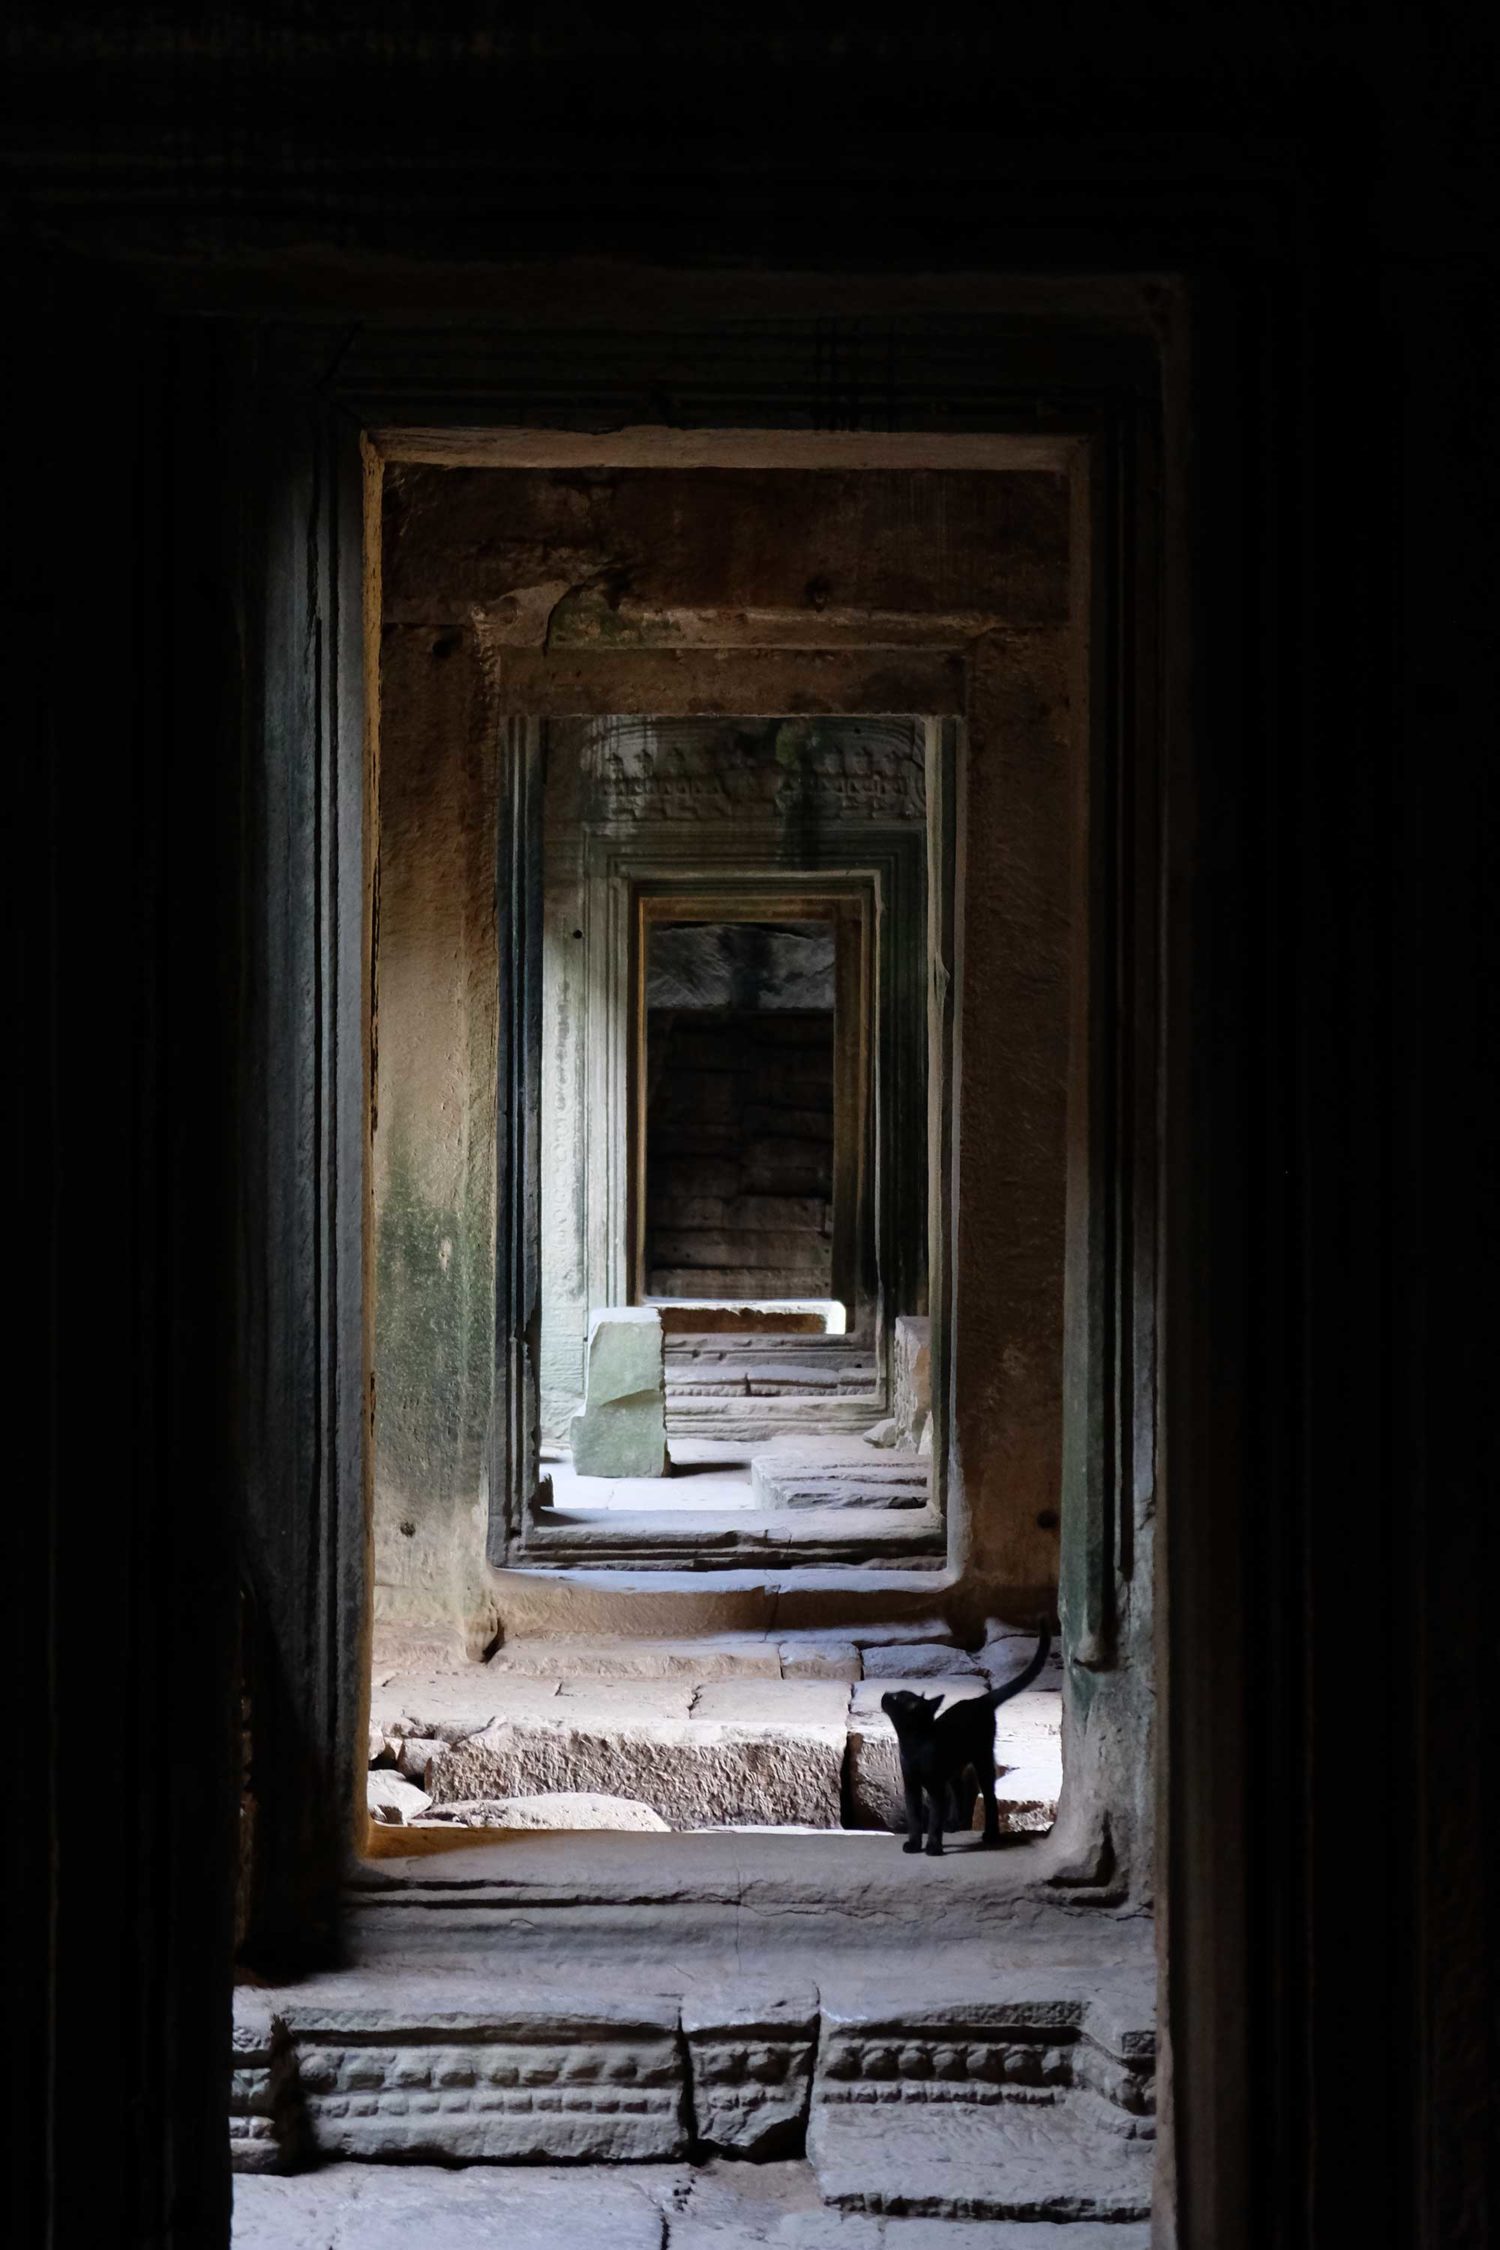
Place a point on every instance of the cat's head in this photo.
(910, 1713)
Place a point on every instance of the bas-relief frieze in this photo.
(780, 774)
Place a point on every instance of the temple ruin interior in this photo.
(726, 1312)
(752, 931)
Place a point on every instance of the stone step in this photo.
(720, 2205)
(862, 1478)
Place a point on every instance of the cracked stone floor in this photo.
(715, 2206)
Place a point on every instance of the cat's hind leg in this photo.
(961, 1795)
(985, 1768)
(913, 1789)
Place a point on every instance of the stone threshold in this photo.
(719, 2205)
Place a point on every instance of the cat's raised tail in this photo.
(1000, 1695)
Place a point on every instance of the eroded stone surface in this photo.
(708, 1658)
(720, 2205)
(918, 1660)
(397, 2207)
(525, 2078)
(750, 2050)
(1007, 2159)
(561, 1808)
(808, 1702)
(622, 1429)
(695, 1773)
(819, 1660)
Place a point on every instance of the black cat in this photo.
(949, 1756)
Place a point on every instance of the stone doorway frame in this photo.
(328, 495)
(851, 904)
(616, 876)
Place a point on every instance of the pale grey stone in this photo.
(884, 1433)
(624, 1658)
(586, 1701)
(555, 1809)
(695, 1773)
(911, 1368)
(865, 1703)
(914, 1660)
(622, 1429)
(750, 2058)
(806, 1702)
(422, 2207)
(899, 2149)
(414, 1753)
(819, 1660)
(390, 1799)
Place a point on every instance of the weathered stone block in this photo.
(695, 1773)
(915, 1660)
(750, 2063)
(622, 1429)
(523, 2080)
(391, 1800)
(819, 1660)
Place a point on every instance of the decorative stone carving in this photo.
(750, 2058)
(522, 2081)
(622, 1430)
(264, 2113)
(1001, 2108)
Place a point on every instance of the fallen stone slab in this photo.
(819, 1660)
(390, 1800)
(773, 1702)
(621, 1430)
(558, 1808)
(695, 1773)
(911, 1660)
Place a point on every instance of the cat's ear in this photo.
(929, 1702)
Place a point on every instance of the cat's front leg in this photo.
(935, 1808)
